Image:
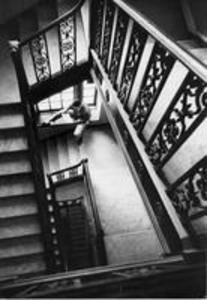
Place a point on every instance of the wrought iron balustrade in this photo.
(187, 108)
(60, 210)
(64, 35)
(137, 63)
(189, 193)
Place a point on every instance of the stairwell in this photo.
(22, 250)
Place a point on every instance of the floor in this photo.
(129, 233)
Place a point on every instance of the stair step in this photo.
(21, 246)
(22, 265)
(18, 206)
(11, 163)
(14, 141)
(11, 116)
(16, 185)
(19, 227)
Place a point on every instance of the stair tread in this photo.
(21, 246)
(11, 116)
(17, 185)
(19, 226)
(16, 217)
(11, 121)
(14, 162)
(13, 142)
(18, 206)
(22, 265)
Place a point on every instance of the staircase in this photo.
(21, 242)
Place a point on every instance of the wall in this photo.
(10, 8)
(165, 14)
(198, 10)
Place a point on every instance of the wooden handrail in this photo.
(53, 23)
(95, 271)
(190, 61)
(67, 169)
(97, 221)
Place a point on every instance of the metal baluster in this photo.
(159, 67)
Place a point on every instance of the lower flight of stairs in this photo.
(21, 247)
(77, 236)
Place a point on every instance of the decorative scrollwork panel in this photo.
(185, 113)
(67, 35)
(99, 12)
(118, 45)
(39, 52)
(110, 9)
(189, 197)
(158, 69)
(137, 42)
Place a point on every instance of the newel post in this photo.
(33, 143)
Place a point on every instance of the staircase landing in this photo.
(129, 233)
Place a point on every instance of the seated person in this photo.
(77, 111)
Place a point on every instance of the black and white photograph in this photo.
(103, 149)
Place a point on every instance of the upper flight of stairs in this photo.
(21, 241)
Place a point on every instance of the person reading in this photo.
(79, 112)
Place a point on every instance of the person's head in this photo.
(77, 103)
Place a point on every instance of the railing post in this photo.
(35, 158)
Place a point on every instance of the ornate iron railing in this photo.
(189, 192)
(138, 61)
(66, 176)
(65, 35)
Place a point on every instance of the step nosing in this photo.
(18, 216)
(6, 175)
(7, 198)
